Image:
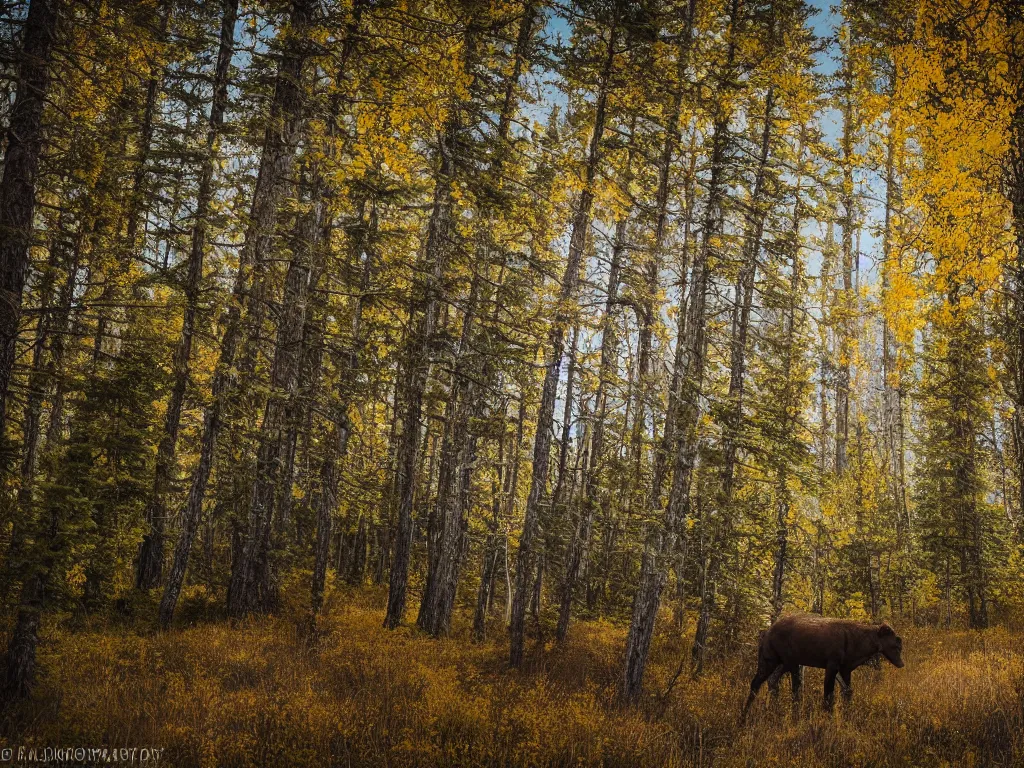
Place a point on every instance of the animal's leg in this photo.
(775, 680)
(846, 678)
(765, 668)
(797, 674)
(830, 686)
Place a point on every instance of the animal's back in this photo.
(805, 639)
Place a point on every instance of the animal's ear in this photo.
(885, 630)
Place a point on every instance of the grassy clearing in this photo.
(261, 694)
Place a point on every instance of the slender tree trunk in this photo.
(720, 535)
(490, 555)
(139, 197)
(253, 584)
(526, 557)
(892, 384)
(474, 396)
(649, 310)
(275, 166)
(17, 204)
(37, 385)
(500, 549)
(362, 238)
(783, 498)
(579, 544)
(846, 304)
(423, 316)
(458, 447)
(151, 557)
(1014, 17)
(667, 444)
(661, 541)
(506, 482)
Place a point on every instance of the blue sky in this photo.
(824, 24)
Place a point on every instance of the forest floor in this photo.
(261, 694)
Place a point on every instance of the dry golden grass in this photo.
(261, 695)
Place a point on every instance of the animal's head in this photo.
(890, 645)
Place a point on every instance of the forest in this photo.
(471, 382)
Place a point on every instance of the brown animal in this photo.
(836, 645)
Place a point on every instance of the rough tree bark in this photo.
(721, 525)
(18, 184)
(467, 399)
(253, 586)
(151, 556)
(275, 166)
(504, 486)
(337, 441)
(457, 449)
(661, 540)
(1014, 17)
(424, 315)
(576, 556)
(526, 555)
(17, 204)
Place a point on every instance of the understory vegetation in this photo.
(267, 693)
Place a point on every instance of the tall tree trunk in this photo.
(500, 549)
(275, 167)
(439, 596)
(17, 204)
(362, 238)
(151, 556)
(661, 540)
(649, 310)
(526, 556)
(424, 313)
(139, 197)
(892, 384)
(846, 344)
(576, 556)
(424, 316)
(1014, 17)
(489, 560)
(721, 527)
(253, 584)
(457, 449)
(783, 498)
